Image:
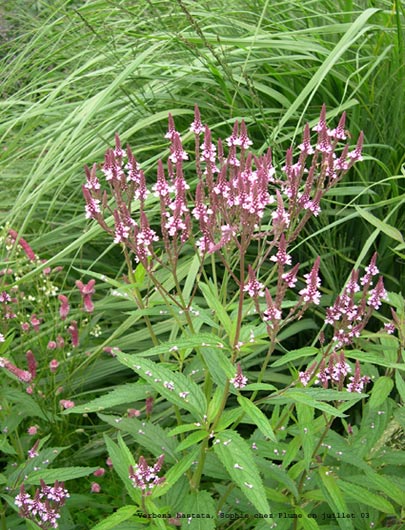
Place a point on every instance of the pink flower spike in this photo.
(377, 294)
(33, 452)
(144, 476)
(234, 138)
(99, 472)
(32, 431)
(311, 292)
(339, 133)
(133, 413)
(53, 365)
(64, 308)
(171, 128)
(87, 290)
(22, 375)
(118, 151)
(356, 154)
(389, 327)
(271, 314)
(149, 405)
(66, 403)
(282, 258)
(74, 333)
(321, 125)
(243, 140)
(306, 147)
(32, 364)
(253, 286)
(239, 381)
(290, 277)
(371, 270)
(95, 487)
(35, 322)
(23, 244)
(109, 462)
(25, 327)
(197, 127)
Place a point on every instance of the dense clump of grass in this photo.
(76, 72)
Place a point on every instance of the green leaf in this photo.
(257, 416)
(381, 390)
(122, 459)
(266, 387)
(213, 303)
(140, 272)
(160, 376)
(183, 343)
(384, 227)
(219, 365)
(28, 406)
(202, 505)
(307, 523)
(192, 439)
(120, 395)
(327, 394)
(182, 428)
(295, 354)
(234, 453)
(365, 496)
(400, 384)
(373, 359)
(388, 487)
(305, 415)
(334, 497)
(122, 514)
(146, 434)
(296, 396)
(5, 447)
(194, 267)
(62, 474)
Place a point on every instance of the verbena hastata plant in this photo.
(229, 444)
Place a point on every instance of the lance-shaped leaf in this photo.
(174, 386)
(113, 520)
(359, 494)
(334, 497)
(213, 302)
(236, 455)
(120, 395)
(122, 458)
(202, 506)
(257, 416)
(62, 474)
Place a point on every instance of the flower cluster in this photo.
(234, 191)
(44, 507)
(334, 374)
(145, 477)
(240, 380)
(349, 316)
(25, 308)
(351, 311)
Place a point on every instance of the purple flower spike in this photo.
(87, 290)
(311, 292)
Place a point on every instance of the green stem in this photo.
(138, 298)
